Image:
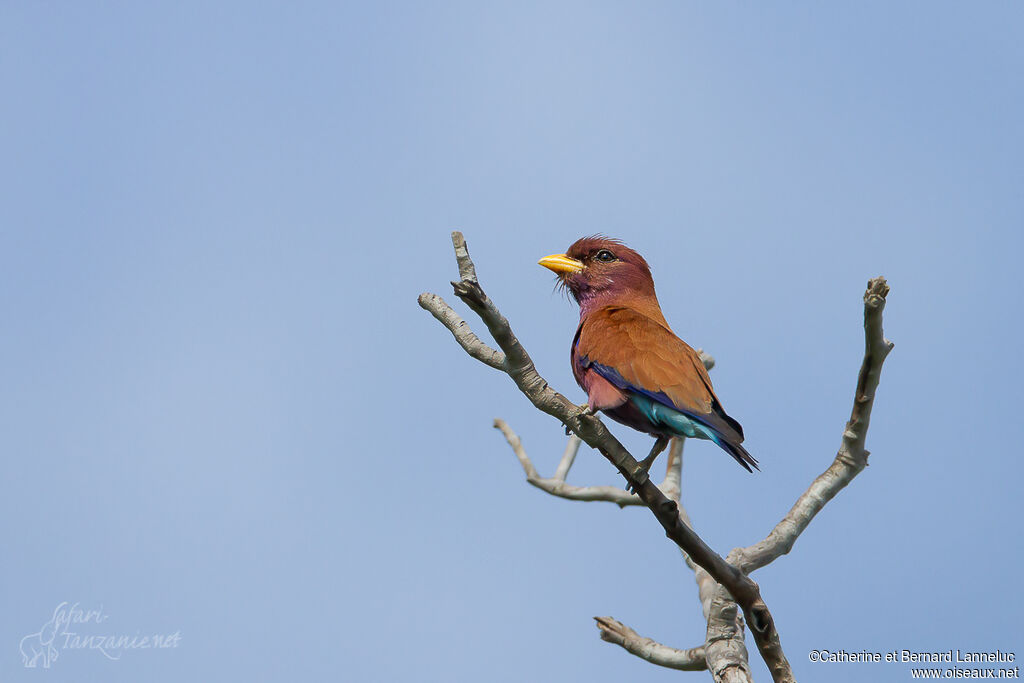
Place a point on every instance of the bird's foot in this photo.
(640, 474)
(586, 410)
(644, 466)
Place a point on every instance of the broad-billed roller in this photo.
(626, 357)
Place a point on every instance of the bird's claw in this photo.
(585, 411)
(640, 474)
(644, 466)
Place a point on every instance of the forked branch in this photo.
(654, 652)
(555, 485)
(852, 458)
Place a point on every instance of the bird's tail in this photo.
(738, 452)
(689, 424)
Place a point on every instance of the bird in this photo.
(628, 360)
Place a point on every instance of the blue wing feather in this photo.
(660, 410)
(658, 404)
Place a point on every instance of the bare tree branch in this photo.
(852, 457)
(460, 330)
(556, 486)
(654, 652)
(672, 484)
(568, 457)
(467, 271)
(591, 430)
(724, 644)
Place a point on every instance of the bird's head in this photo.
(601, 269)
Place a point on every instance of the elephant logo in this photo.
(38, 647)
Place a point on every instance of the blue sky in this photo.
(224, 414)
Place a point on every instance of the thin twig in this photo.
(556, 485)
(467, 271)
(471, 343)
(654, 652)
(568, 458)
(672, 484)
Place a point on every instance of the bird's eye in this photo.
(604, 256)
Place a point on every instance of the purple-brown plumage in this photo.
(626, 357)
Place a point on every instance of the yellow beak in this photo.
(560, 263)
